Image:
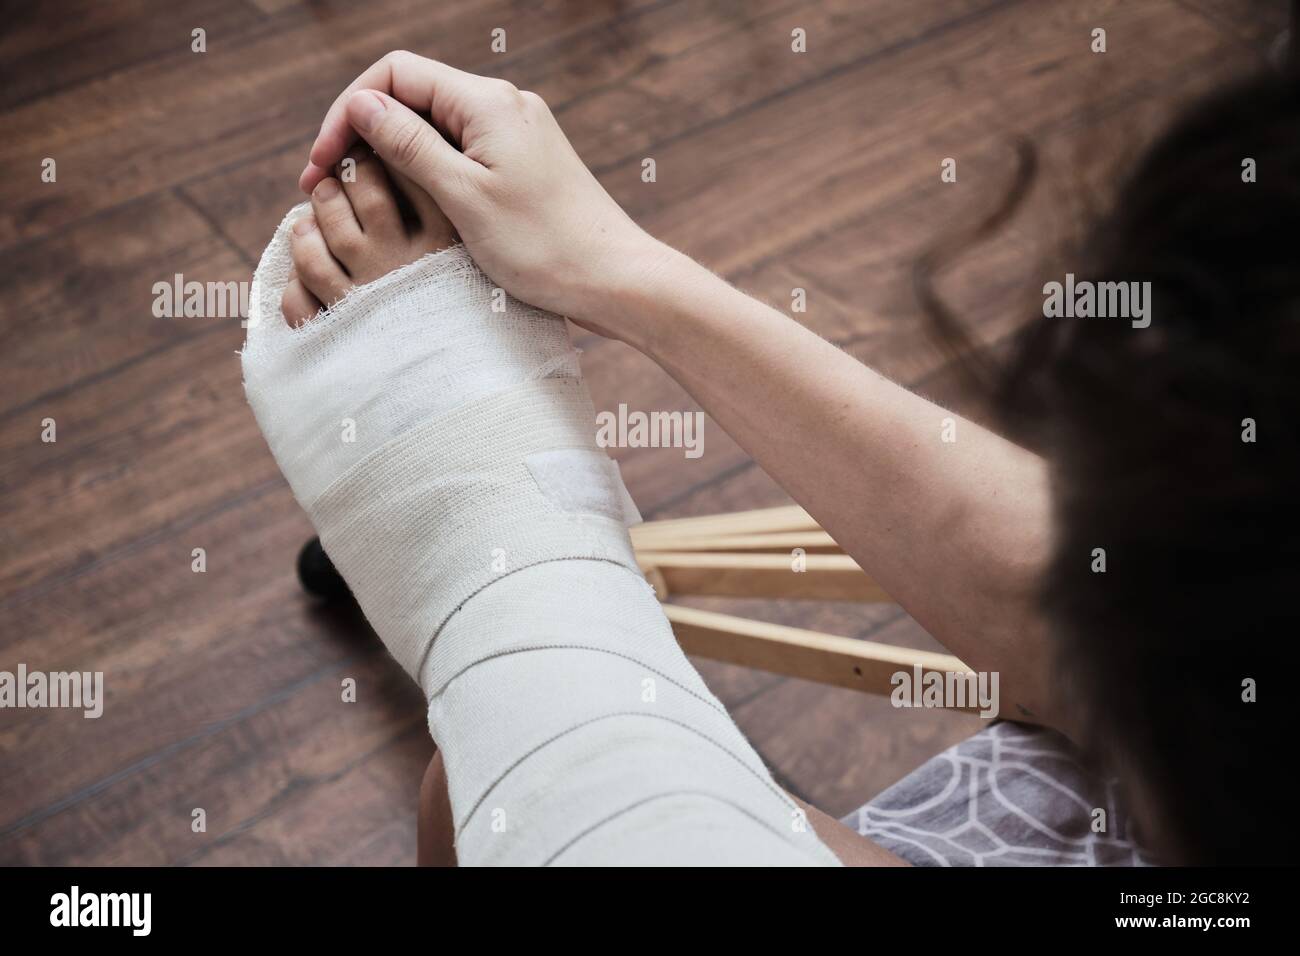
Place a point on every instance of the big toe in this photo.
(297, 305)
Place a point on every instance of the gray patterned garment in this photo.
(1011, 795)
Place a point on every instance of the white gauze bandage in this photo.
(437, 432)
(445, 451)
(595, 741)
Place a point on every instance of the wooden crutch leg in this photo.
(825, 658)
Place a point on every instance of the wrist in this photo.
(646, 299)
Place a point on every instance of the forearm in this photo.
(956, 531)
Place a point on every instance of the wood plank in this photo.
(80, 303)
(85, 39)
(260, 768)
(166, 121)
(366, 816)
(181, 652)
(136, 454)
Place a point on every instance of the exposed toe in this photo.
(431, 229)
(338, 223)
(297, 305)
(371, 196)
(363, 225)
(318, 271)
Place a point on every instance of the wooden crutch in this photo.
(771, 553)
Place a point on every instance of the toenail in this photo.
(304, 225)
(328, 189)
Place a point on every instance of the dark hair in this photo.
(1146, 430)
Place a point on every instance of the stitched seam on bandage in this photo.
(526, 648)
(560, 559)
(583, 725)
(667, 795)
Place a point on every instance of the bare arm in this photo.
(957, 532)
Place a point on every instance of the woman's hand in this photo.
(531, 214)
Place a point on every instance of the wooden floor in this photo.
(778, 170)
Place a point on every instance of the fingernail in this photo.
(327, 189)
(366, 109)
(304, 225)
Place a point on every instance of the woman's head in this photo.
(1176, 448)
(1175, 454)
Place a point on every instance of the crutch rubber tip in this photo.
(317, 574)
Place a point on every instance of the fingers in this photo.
(336, 136)
(412, 147)
(432, 88)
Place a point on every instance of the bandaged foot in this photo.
(437, 432)
(440, 437)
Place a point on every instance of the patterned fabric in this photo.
(1009, 796)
